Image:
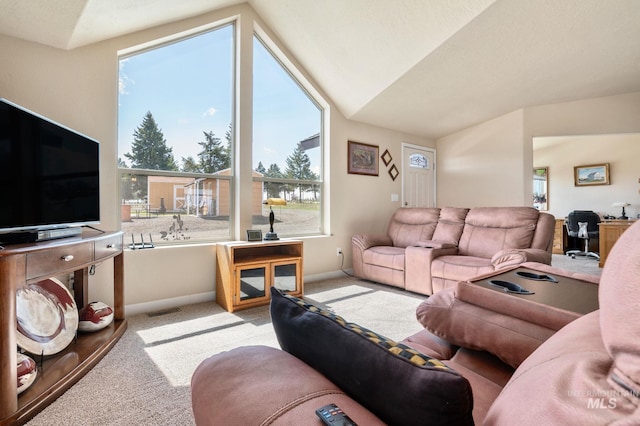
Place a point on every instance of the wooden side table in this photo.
(245, 272)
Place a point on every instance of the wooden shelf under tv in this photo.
(23, 264)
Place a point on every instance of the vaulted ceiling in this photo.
(426, 67)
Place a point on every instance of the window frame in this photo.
(303, 84)
(242, 114)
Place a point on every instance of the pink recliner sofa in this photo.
(587, 373)
(428, 249)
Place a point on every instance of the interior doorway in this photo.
(418, 176)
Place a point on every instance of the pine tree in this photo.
(299, 168)
(189, 164)
(149, 149)
(273, 188)
(213, 157)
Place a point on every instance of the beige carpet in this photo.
(585, 265)
(145, 378)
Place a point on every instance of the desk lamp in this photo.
(622, 204)
(271, 235)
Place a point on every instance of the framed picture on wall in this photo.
(594, 174)
(362, 159)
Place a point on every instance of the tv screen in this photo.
(49, 174)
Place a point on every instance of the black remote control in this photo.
(332, 415)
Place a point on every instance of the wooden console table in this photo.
(24, 264)
(246, 271)
(610, 231)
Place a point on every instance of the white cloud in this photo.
(123, 80)
(210, 112)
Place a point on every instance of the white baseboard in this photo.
(326, 276)
(160, 305)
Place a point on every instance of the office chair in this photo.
(583, 224)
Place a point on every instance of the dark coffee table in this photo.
(568, 294)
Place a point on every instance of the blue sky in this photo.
(187, 86)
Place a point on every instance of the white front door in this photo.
(418, 176)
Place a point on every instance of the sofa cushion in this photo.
(409, 225)
(450, 225)
(397, 383)
(385, 256)
(460, 268)
(619, 314)
(488, 230)
(475, 327)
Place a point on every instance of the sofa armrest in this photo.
(417, 269)
(513, 257)
(364, 241)
(360, 243)
(487, 323)
(283, 390)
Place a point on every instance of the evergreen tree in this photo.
(260, 169)
(274, 171)
(299, 168)
(149, 149)
(189, 164)
(273, 188)
(213, 157)
(228, 135)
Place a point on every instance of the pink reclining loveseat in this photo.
(428, 249)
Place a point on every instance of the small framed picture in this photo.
(254, 235)
(362, 159)
(594, 174)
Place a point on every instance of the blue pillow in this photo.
(395, 382)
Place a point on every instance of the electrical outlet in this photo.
(338, 251)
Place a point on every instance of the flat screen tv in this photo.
(49, 174)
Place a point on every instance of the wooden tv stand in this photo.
(24, 264)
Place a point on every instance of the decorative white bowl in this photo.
(27, 372)
(47, 317)
(95, 316)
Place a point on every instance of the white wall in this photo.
(79, 89)
(482, 165)
(561, 153)
(491, 163)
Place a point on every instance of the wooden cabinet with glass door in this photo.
(246, 271)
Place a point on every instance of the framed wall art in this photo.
(386, 157)
(362, 159)
(594, 174)
(393, 172)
